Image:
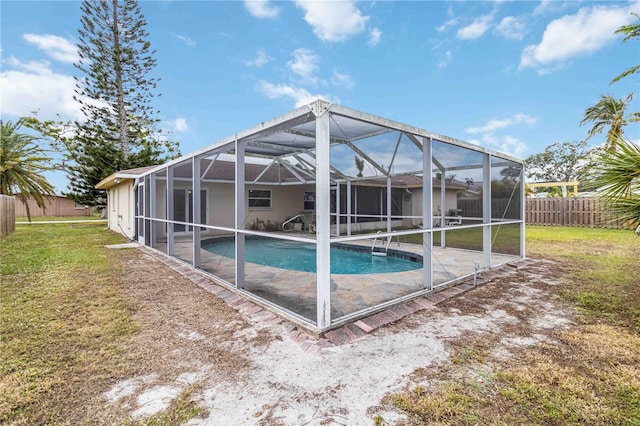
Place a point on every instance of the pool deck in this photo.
(309, 339)
(350, 293)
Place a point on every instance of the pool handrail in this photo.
(301, 216)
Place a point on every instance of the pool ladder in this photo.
(299, 216)
(380, 251)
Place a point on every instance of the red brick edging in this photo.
(336, 337)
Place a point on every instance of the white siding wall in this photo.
(286, 201)
(451, 202)
(121, 209)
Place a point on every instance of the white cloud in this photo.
(333, 21)
(297, 94)
(450, 23)
(476, 29)
(261, 8)
(549, 70)
(551, 6)
(445, 61)
(582, 33)
(374, 36)
(261, 59)
(32, 87)
(494, 124)
(55, 47)
(180, 124)
(542, 7)
(185, 39)
(340, 79)
(304, 64)
(511, 27)
(504, 143)
(510, 145)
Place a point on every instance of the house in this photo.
(326, 214)
(120, 189)
(55, 205)
(406, 193)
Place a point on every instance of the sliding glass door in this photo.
(183, 208)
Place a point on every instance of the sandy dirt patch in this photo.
(247, 373)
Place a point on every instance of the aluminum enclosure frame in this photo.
(298, 145)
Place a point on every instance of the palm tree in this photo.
(21, 162)
(609, 112)
(620, 178)
(630, 31)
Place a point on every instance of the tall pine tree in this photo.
(115, 93)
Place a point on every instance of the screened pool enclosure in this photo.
(327, 214)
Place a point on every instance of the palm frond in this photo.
(21, 165)
(625, 73)
(620, 179)
(608, 112)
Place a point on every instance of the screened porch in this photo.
(327, 214)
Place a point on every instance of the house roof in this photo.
(117, 177)
(137, 171)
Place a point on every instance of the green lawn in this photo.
(603, 266)
(55, 218)
(505, 239)
(590, 374)
(62, 319)
(65, 324)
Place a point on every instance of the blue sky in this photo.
(510, 76)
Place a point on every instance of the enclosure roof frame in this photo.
(304, 114)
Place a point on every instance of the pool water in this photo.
(302, 257)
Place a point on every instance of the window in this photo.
(259, 198)
(309, 201)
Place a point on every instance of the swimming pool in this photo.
(302, 257)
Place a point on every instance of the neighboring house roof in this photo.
(50, 196)
(411, 181)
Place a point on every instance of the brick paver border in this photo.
(345, 334)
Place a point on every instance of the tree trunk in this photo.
(122, 112)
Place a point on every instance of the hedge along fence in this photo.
(7, 215)
(571, 211)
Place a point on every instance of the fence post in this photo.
(7, 215)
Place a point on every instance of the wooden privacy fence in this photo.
(571, 211)
(503, 208)
(7, 215)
